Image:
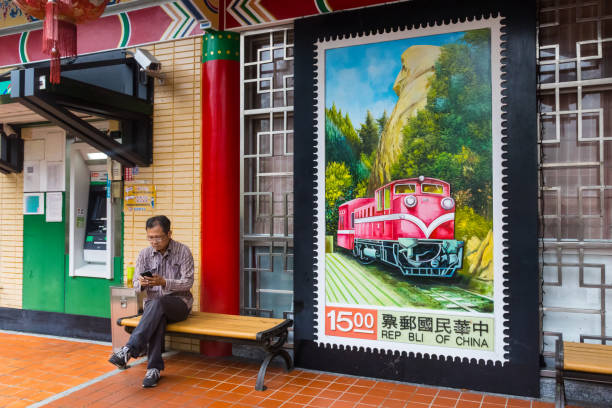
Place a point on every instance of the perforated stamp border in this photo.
(495, 24)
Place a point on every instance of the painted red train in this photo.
(409, 224)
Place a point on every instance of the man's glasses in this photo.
(156, 239)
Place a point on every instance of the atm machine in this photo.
(94, 250)
(91, 217)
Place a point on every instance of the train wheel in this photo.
(401, 262)
(365, 260)
(361, 258)
(427, 268)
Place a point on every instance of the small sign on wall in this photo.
(44, 161)
(33, 203)
(31, 176)
(139, 197)
(80, 218)
(54, 207)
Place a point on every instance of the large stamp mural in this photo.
(409, 203)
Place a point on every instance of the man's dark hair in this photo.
(160, 220)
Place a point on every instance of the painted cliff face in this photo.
(411, 86)
(417, 62)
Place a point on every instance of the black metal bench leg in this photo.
(287, 358)
(259, 385)
(559, 366)
(560, 394)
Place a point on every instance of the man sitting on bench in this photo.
(165, 271)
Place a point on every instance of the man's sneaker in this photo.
(121, 357)
(151, 378)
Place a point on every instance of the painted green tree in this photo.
(340, 165)
(337, 182)
(355, 150)
(382, 122)
(349, 153)
(345, 128)
(369, 134)
(343, 168)
(450, 138)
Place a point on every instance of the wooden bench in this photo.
(581, 361)
(270, 334)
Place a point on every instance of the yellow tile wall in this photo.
(175, 173)
(11, 240)
(176, 158)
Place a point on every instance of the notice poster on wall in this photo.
(54, 207)
(31, 176)
(409, 197)
(33, 203)
(139, 196)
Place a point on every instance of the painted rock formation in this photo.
(479, 257)
(411, 86)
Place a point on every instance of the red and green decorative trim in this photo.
(218, 45)
(145, 25)
(23, 54)
(125, 30)
(241, 13)
(323, 7)
(186, 18)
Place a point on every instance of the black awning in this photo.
(109, 89)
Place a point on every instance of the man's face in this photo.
(157, 238)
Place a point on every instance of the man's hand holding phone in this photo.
(148, 279)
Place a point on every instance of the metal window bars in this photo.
(266, 206)
(575, 134)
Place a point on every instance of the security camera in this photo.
(7, 130)
(149, 65)
(147, 61)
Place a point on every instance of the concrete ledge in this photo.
(57, 324)
(582, 393)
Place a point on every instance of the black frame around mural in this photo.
(520, 376)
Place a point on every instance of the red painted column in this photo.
(220, 178)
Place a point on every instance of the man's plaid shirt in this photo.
(175, 266)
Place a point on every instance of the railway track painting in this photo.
(351, 283)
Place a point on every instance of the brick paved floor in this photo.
(34, 368)
(37, 369)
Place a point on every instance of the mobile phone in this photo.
(148, 274)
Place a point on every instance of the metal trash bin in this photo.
(124, 302)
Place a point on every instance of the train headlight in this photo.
(447, 203)
(410, 201)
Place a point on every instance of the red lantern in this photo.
(59, 29)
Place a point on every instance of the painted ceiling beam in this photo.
(204, 11)
(165, 22)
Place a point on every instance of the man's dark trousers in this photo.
(152, 327)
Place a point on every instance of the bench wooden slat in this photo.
(217, 325)
(271, 334)
(590, 358)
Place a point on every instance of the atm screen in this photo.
(95, 233)
(98, 206)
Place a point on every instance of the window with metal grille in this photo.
(575, 137)
(266, 206)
